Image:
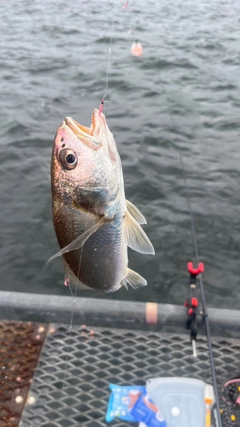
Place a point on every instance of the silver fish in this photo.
(93, 221)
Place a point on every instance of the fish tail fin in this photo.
(134, 279)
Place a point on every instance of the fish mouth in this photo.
(88, 135)
(76, 128)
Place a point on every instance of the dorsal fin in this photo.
(135, 212)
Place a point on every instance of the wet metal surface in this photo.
(20, 346)
(71, 382)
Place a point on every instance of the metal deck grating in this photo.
(71, 382)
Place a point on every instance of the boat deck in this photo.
(74, 367)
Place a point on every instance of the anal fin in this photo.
(134, 279)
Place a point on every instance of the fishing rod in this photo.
(204, 314)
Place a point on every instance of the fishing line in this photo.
(86, 223)
(189, 208)
(202, 289)
(104, 99)
(69, 333)
(102, 105)
(74, 295)
(204, 305)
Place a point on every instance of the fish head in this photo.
(86, 168)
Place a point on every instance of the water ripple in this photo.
(181, 95)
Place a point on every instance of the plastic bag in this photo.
(122, 400)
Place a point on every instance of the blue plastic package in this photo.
(122, 400)
(145, 410)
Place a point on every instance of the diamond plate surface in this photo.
(71, 382)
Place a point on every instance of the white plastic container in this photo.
(180, 400)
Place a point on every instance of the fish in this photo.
(93, 221)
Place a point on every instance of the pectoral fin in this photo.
(135, 212)
(134, 280)
(79, 241)
(135, 237)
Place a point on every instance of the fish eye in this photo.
(68, 158)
